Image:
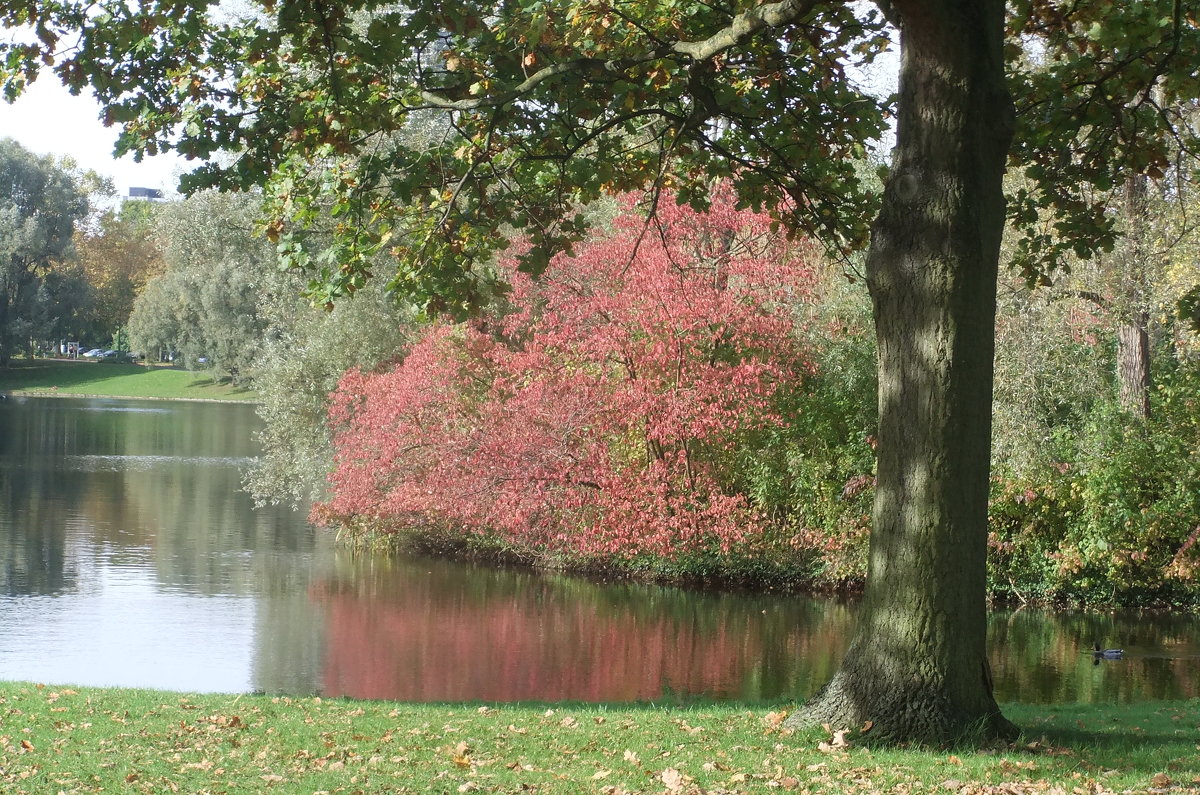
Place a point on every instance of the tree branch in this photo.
(741, 29)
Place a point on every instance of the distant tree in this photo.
(120, 253)
(205, 306)
(40, 203)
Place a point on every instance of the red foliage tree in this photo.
(595, 415)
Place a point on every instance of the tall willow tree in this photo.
(549, 104)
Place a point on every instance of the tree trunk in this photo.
(1133, 366)
(1133, 336)
(917, 667)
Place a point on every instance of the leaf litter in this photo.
(150, 742)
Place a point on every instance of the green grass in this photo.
(59, 739)
(62, 377)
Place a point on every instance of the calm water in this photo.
(130, 556)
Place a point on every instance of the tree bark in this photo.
(1133, 335)
(917, 668)
(1133, 366)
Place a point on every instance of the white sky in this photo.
(49, 121)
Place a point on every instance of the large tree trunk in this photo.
(917, 668)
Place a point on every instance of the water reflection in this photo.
(129, 556)
(429, 630)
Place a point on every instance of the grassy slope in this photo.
(62, 377)
(56, 739)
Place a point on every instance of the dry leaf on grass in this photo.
(838, 743)
(674, 780)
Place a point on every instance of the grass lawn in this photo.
(60, 739)
(83, 377)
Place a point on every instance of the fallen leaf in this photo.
(271, 778)
(673, 779)
(775, 719)
(954, 760)
(461, 755)
(28, 746)
(952, 784)
(517, 729)
(838, 743)
(599, 774)
(867, 726)
(568, 722)
(1161, 780)
(631, 757)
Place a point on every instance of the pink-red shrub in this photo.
(594, 416)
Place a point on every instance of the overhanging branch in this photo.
(741, 28)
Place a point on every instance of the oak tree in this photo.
(550, 103)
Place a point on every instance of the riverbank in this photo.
(84, 378)
(62, 739)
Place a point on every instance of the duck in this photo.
(1107, 654)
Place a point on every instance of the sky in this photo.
(47, 120)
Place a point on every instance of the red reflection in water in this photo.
(411, 645)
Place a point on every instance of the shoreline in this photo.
(93, 396)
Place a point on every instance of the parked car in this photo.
(93, 353)
(110, 354)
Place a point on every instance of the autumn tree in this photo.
(600, 414)
(119, 253)
(553, 102)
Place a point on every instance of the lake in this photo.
(130, 556)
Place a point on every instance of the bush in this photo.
(605, 414)
(1115, 518)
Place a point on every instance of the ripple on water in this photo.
(141, 463)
